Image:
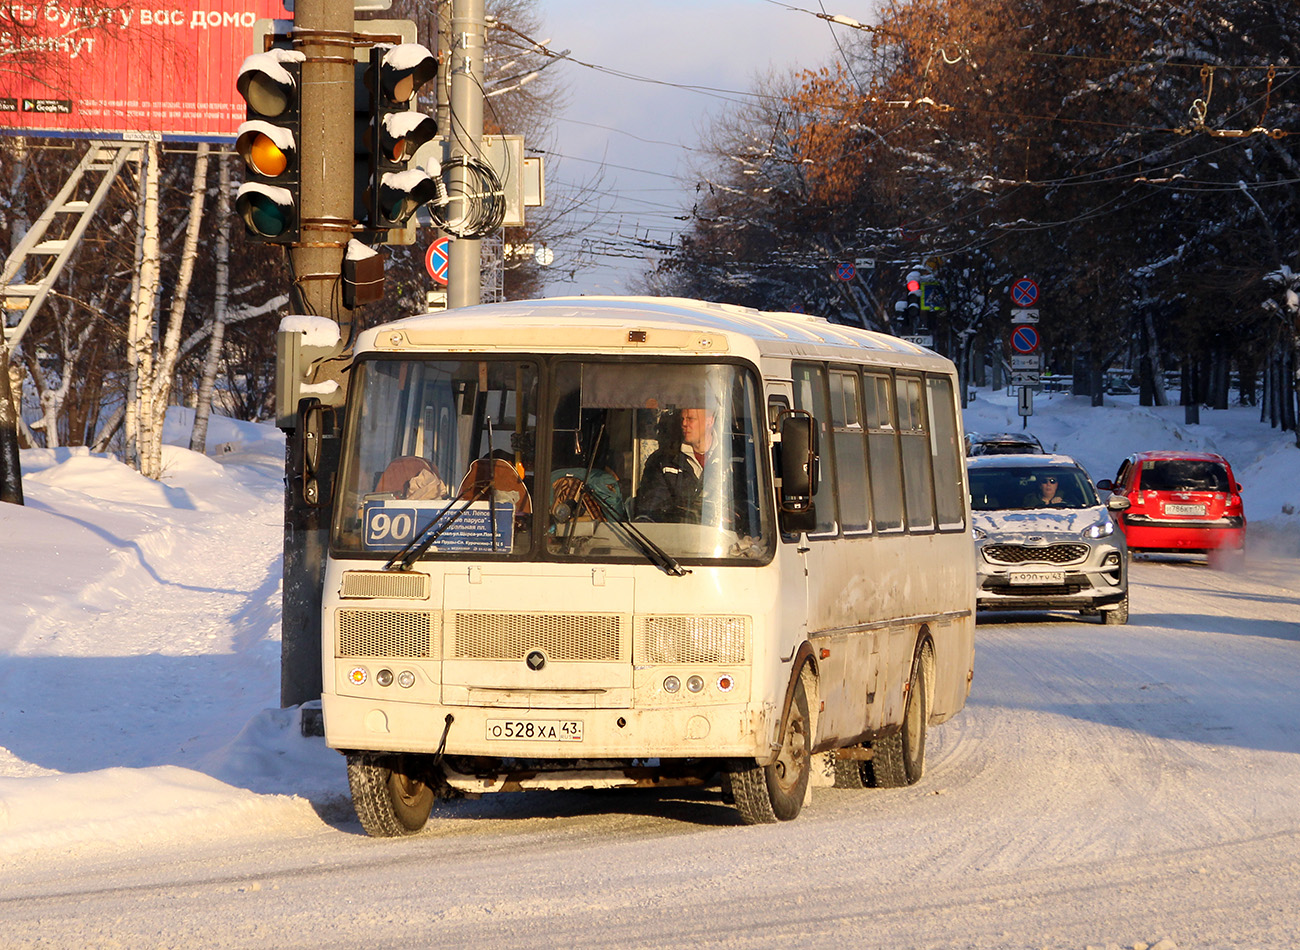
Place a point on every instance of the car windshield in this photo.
(1183, 475)
(561, 459)
(1020, 488)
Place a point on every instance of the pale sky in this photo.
(720, 44)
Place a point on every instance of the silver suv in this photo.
(1044, 540)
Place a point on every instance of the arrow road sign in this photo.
(1024, 339)
(437, 259)
(1024, 292)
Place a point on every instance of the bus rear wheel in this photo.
(899, 760)
(388, 797)
(769, 793)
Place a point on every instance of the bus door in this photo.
(843, 597)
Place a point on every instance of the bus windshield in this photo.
(624, 461)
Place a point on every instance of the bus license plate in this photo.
(1039, 577)
(543, 730)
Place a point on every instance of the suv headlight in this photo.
(1102, 529)
(979, 534)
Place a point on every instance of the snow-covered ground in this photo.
(139, 684)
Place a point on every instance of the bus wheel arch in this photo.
(776, 792)
(391, 795)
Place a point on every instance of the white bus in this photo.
(598, 542)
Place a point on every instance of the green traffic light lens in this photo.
(266, 217)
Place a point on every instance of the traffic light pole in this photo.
(323, 30)
(465, 130)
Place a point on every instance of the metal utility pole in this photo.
(323, 30)
(465, 130)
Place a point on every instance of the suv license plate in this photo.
(1039, 577)
(542, 730)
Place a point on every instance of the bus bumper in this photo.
(736, 730)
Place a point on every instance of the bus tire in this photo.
(853, 773)
(767, 793)
(389, 800)
(899, 760)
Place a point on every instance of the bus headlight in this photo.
(406, 679)
(384, 677)
(695, 683)
(672, 684)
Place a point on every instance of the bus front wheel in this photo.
(389, 799)
(768, 793)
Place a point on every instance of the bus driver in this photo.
(672, 485)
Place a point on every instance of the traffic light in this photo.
(913, 310)
(395, 130)
(268, 201)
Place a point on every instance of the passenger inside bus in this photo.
(411, 477)
(672, 484)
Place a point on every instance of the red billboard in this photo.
(161, 70)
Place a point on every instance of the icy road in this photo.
(1105, 787)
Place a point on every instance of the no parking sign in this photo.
(437, 259)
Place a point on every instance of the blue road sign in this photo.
(1024, 339)
(1024, 292)
(845, 270)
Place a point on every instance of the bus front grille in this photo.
(364, 632)
(512, 636)
(689, 639)
(392, 584)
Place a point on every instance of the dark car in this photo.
(1003, 443)
(1044, 540)
(1180, 502)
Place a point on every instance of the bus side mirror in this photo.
(799, 460)
(315, 423)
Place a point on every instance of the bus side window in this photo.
(810, 396)
(850, 450)
(946, 453)
(885, 475)
(918, 479)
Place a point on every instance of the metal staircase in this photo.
(103, 158)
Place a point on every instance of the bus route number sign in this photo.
(389, 525)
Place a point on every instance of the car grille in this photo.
(1020, 554)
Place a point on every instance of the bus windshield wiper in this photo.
(632, 537)
(415, 548)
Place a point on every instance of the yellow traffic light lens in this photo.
(266, 157)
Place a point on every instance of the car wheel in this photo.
(1117, 614)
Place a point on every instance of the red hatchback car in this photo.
(1180, 502)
